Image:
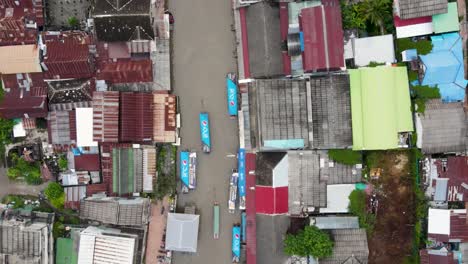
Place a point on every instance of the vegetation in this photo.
(41, 123)
(22, 169)
(345, 156)
(412, 76)
(55, 194)
(166, 167)
(375, 64)
(368, 15)
(423, 47)
(309, 242)
(421, 94)
(358, 207)
(376, 11)
(351, 16)
(6, 130)
(58, 230)
(63, 163)
(16, 200)
(73, 22)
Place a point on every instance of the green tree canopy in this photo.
(309, 242)
(376, 11)
(55, 194)
(30, 171)
(73, 22)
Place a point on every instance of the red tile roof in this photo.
(19, 102)
(87, 162)
(457, 173)
(413, 21)
(13, 20)
(126, 71)
(96, 188)
(269, 200)
(68, 55)
(106, 116)
(251, 236)
(136, 117)
(323, 37)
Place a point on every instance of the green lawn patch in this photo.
(345, 156)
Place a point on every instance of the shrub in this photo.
(358, 207)
(309, 242)
(63, 163)
(30, 171)
(55, 194)
(345, 156)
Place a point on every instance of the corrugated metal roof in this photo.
(106, 116)
(19, 59)
(270, 235)
(335, 222)
(420, 8)
(136, 120)
(456, 172)
(182, 232)
(87, 162)
(164, 118)
(60, 132)
(323, 37)
(348, 244)
(126, 71)
(14, 15)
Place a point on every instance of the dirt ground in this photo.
(392, 238)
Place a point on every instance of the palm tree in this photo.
(375, 11)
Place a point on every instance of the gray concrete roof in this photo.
(444, 127)
(264, 40)
(182, 232)
(420, 8)
(350, 247)
(271, 231)
(309, 174)
(317, 111)
(335, 222)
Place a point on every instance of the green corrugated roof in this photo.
(66, 254)
(123, 171)
(447, 22)
(380, 106)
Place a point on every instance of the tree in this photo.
(351, 16)
(30, 171)
(63, 163)
(309, 242)
(73, 22)
(55, 194)
(376, 12)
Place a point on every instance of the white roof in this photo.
(414, 30)
(182, 232)
(338, 198)
(84, 127)
(373, 49)
(439, 221)
(280, 173)
(18, 130)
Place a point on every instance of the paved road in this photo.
(203, 46)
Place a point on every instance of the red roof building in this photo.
(251, 211)
(106, 116)
(67, 55)
(25, 96)
(136, 117)
(19, 21)
(429, 256)
(106, 169)
(322, 30)
(458, 226)
(456, 170)
(271, 200)
(87, 162)
(164, 117)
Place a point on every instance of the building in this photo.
(20, 21)
(67, 95)
(19, 59)
(437, 256)
(413, 27)
(182, 232)
(84, 127)
(126, 71)
(116, 211)
(62, 127)
(271, 231)
(406, 9)
(164, 118)
(378, 49)
(26, 238)
(59, 11)
(108, 245)
(136, 117)
(106, 116)
(442, 128)
(67, 55)
(296, 114)
(380, 113)
(443, 67)
(121, 20)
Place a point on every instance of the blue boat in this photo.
(243, 225)
(231, 86)
(184, 170)
(205, 132)
(236, 243)
(241, 181)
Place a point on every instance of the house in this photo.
(84, 127)
(26, 238)
(442, 128)
(136, 117)
(20, 21)
(73, 196)
(437, 256)
(271, 231)
(100, 244)
(25, 96)
(443, 67)
(296, 114)
(380, 107)
(447, 178)
(19, 59)
(116, 211)
(407, 9)
(182, 232)
(67, 95)
(67, 55)
(121, 20)
(62, 127)
(377, 49)
(447, 226)
(106, 116)
(67, 251)
(164, 118)
(309, 174)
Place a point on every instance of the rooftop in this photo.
(350, 247)
(127, 170)
(455, 169)
(126, 71)
(446, 22)
(106, 116)
(446, 225)
(19, 21)
(70, 91)
(182, 232)
(19, 59)
(87, 162)
(378, 49)
(442, 128)
(136, 117)
(380, 106)
(407, 9)
(62, 127)
(271, 230)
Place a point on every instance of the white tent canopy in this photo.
(182, 232)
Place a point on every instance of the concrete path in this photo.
(155, 232)
(203, 52)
